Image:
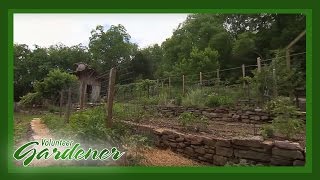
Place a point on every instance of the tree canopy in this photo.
(203, 42)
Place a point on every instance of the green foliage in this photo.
(34, 64)
(110, 47)
(285, 81)
(244, 44)
(30, 99)
(49, 88)
(281, 106)
(199, 61)
(20, 130)
(89, 124)
(55, 81)
(54, 122)
(53, 108)
(195, 98)
(193, 123)
(127, 111)
(267, 131)
(288, 126)
(187, 118)
(215, 100)
(204, 97)
(285, 121)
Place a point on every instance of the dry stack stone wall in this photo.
(218, 151)
(219, 114)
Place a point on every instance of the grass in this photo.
(21, 126)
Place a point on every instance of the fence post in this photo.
(200, 78)
(183, 90)
(169, 87)
(112, 78)
(61, 102)
(68, 106)
(157, 90)
(259, 64)
(274, 77)
(218, 76)
(243, 74)
(82, 94)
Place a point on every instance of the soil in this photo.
(159, 157)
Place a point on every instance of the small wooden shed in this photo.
(90, 84)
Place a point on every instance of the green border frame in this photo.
(305, 169)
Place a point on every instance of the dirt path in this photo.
(39, 129)
(159, 157)
(151, 156)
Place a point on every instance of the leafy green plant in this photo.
(267, 131)
(195, 98)
(54, 122)
(288, 126)
(127, 111)
(187, 118)
(285, 121)
(30, 99)
(281, 106)
(215, 100)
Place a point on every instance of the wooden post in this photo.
(200, 78)
(290, 45)
(169, 87)
(218, 76)
(82, 94)
(259, 64)
(275, 89)
(157, 90)
(61, 102)
(183, 90)
(243, 71)
(68, 106)
(243, 74)
(112, 79)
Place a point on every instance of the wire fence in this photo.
(177, 89)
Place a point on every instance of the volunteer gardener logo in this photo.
(61, 150)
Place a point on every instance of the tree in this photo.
(22, 79)
(198, 32)
(111, 47)
(54, 83)
(199, 61)
(49, 88)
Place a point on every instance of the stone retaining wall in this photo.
(219, 151)
(219, 114)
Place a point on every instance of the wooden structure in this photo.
(90, 84)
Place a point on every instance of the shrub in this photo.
(195, 98)
(54, 122)
(215, 100)
(281, 106)
(288, 126)
(192, 122)
(52, 108)
(30, 99)
(286, 121)
(126, 111)
(187, 118)
(89, 124)
(267, 131)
